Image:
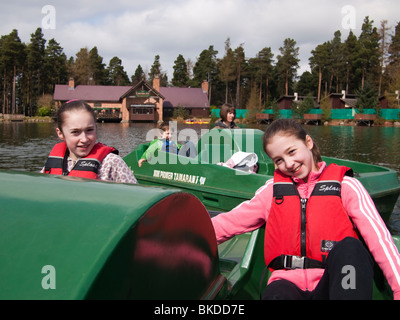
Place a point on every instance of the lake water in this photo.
(25, 146)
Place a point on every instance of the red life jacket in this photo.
(86, 167)
(306, 228)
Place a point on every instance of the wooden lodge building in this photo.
(141, 102)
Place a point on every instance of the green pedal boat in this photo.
(73, 238)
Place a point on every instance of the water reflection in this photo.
(24, 146)
(376, 145)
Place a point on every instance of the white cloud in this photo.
(136, 31)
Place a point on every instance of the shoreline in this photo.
(391, 123)
(27, 119)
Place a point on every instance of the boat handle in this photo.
(210, 199)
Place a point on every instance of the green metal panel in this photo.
(367, 111)
(285, 114)
(215, 112)
(92, 239)
(337, 114)
(342, 114)
(390, 114)
(268, 111)
(315, 111)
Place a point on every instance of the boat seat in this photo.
(266, 168)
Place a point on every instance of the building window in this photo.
(138, 110)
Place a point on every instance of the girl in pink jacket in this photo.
(315, 215)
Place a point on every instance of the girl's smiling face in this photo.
(79, 133)
(292, 156)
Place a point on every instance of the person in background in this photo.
(163, 143)
(228, 115)
(79, 154)
(315, 215)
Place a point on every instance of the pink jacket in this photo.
(253, 213)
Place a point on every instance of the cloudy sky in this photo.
(136, 31)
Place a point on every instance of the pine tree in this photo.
(240, 69)
(138, 76)
(55, 66)
(226, 67)
(307, 84)
(318, 62)
(368, 56)
(288, 63)
(81, 67)
(260, 69)
(156, 71)
(180, 77)
(12, 61)
(353, 75)
(35, 62)
(393, 68)
(116, 73)
(97, 68)
(367, 98)
(253, 106)
(206, 68)
(336, 57)
(383, 54)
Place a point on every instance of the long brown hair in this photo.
(289, 127)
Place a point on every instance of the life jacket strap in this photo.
(294, 262)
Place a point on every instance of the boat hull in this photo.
(99, 240)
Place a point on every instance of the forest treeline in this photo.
(30, 71)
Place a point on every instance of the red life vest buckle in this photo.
(293, 262)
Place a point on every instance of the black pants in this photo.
(348, 276)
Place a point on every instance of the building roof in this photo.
(349, 103)
(185, 97)
(143, 85)
(173, 97)
(90, 93)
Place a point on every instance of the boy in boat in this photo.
(163, 143)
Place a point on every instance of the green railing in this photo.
(336, 114)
